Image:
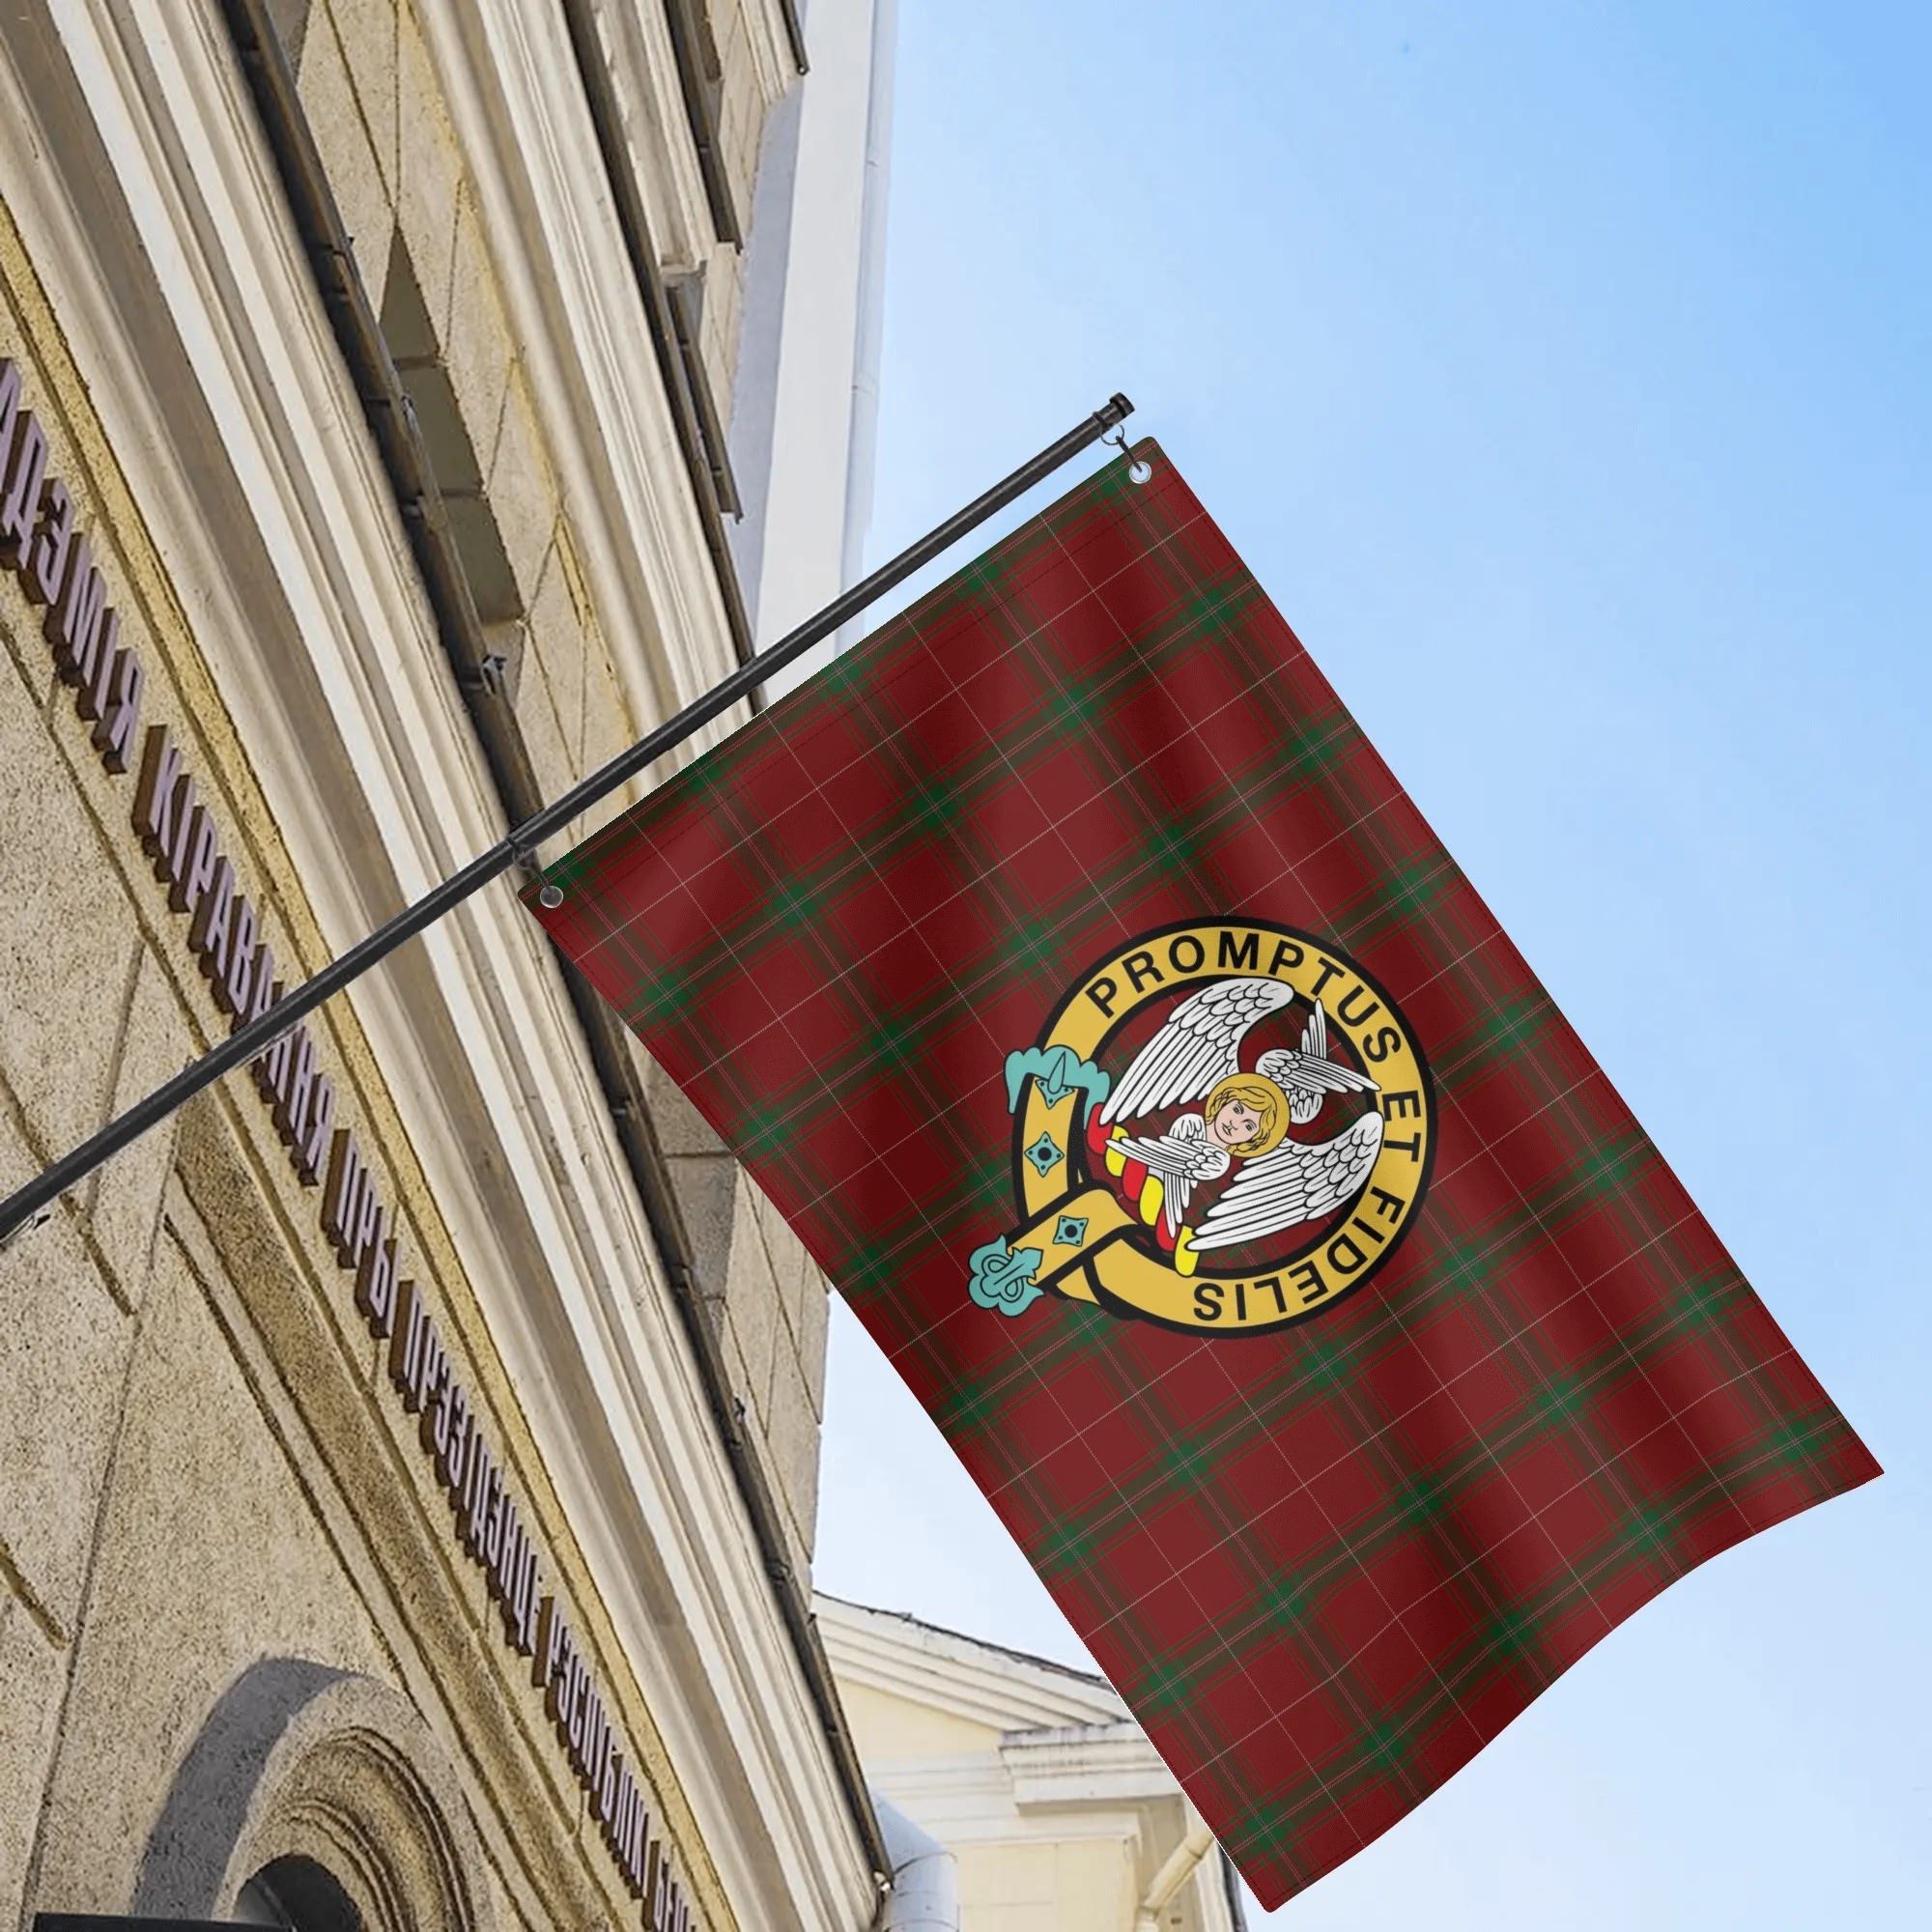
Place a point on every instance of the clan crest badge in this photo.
(1225, 1127)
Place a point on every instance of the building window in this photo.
(700, 76)
(418, 357)
(686, 297)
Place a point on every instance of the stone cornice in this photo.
(916, 1660)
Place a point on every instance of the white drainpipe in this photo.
(1171, 1877)
(925, 1879)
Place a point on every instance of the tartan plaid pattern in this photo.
(1324, 1565)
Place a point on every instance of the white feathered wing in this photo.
(1310, 1076)
(1198, 1046)
(1298, 1181)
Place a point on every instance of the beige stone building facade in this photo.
(407, 1453)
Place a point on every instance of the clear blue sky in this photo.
(1563, 371)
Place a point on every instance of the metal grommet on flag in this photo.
(1139, 469)
(550, 894)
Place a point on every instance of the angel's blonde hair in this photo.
(1257, 1091)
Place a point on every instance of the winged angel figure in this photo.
(1241, 1118)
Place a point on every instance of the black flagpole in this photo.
(249, 1039)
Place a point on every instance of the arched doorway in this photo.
(297, 1894)
(316, 1800)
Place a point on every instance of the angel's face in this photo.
(1235, 1126)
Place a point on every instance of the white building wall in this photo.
(807, 391)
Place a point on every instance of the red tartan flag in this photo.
(1076, 979)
